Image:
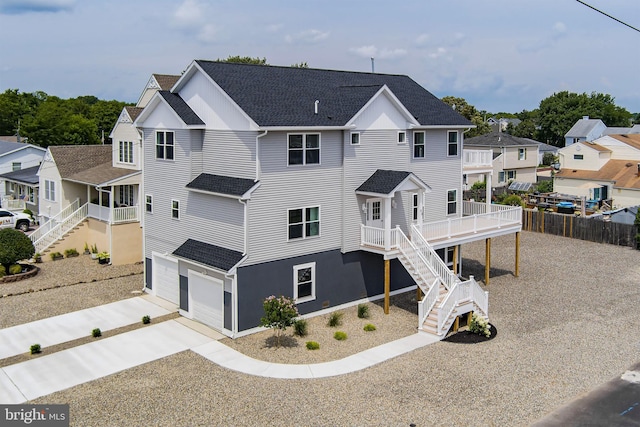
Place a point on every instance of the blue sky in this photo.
(500, 55)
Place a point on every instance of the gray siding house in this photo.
(263, 180)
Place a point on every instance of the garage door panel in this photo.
(206, 300)
(166, 279)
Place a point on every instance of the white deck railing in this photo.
(13, 204)
(449, 279)
(477, 158)
(60, 229)
(469, 291)
(103, 213)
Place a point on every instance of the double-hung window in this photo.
(164, 145)
(50, 190)
(355, 138)
(452, 202)
(175, 209)
(522, 153)
(303, 222)
(304, 149)
(148, 203)
(452, 143)
(125, 152)
(304, 282)
(402, 137)
(418, 145)
(414, 206)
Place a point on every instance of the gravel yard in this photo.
(566, 325)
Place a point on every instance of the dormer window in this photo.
(304, 149)
(125, 152)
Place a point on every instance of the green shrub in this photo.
(71, 251)
(96, 333)
(312, 345)
(363, 311)
(340, 336)
(545, 186)
(335, 319)
(28, 212)
(479, 185)
(479, 325)
(35, 349)
(513, 200)
(14, 246)
(300, 327)
(3, 270)
(279, 313)
(146, 319)
(55, 255)
(369, 327)
(15, 269)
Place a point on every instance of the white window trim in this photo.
(125, 151)
(415, 212)
(150, 203)
(304, 224)
(351, 140)
(457, 143)
(455, 201)
(522, 154)
(155, 142)
(304, 149)
(14, 164)
(402, 137)
(296, 268)
(48, 187)
(424, 145)
(173, 209)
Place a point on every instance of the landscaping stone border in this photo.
(21, 276)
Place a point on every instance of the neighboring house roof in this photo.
(386, 182)
(498, 139)
(204, 253)
(188, 116)
(630, 139)
(89, 164)
(582, 128)
(25, 176)
(7, 147)
(9, 138)
(286, 96)
(224, 185)
(165, 81)
(593, 145)
(133, 112)
(546, 148)
(616, 131)
(623, 173)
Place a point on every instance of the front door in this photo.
(374, 213)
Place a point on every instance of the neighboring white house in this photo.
(588, 130)
(606, 169)
(15, 156)
(100, 184)
(514, 158)
(262, 180)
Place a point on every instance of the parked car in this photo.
(18, 220)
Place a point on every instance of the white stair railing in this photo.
(54, 221)
(449, 279)
(62, 228)
(417, 265)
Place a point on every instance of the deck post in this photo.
(455, 259)
(517, 272)
(487, 261)
(418, 294)
(387, 285)
(456, 324)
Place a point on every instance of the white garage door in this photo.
(166, 283)
(206, 299)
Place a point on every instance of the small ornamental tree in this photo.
(279, 313)
(14, 246)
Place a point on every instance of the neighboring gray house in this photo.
(546, 148)
(22, 186)
(15, 156)
(585, 129)
(263, 180)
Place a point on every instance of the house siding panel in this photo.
(230, 153)
(285, 187)
(340, 278)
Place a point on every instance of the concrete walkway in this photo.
(47, 374)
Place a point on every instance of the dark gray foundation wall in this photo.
(340, 278)
(147, 273)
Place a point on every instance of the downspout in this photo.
(142, 201)
(258, 154)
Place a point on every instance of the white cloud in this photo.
(309, 36)
(274, 28)
(558, 32)
(365, 51)
(188, 14)
(372, 51)
(422, 39)
(17, 7)
(208, 33)
(438, 53)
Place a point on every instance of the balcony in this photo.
(114, 216)
(477, 159)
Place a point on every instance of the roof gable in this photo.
(387, 182)
(286, 96)
(7, 147)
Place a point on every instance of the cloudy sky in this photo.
(500, 55)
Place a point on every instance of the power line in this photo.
(609, 16)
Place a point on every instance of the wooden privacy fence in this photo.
(576, 227)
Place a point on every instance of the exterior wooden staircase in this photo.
(58, 226)
(445, 295)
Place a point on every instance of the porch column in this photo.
(487, 263)
(487, 191)
(420, 209)
(111, 197)
(455, 259)
(387, 285)
(517, 272)
(88, 195)
(386, 206)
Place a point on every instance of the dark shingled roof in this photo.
(26, 176)
(285, 96)
(383, 181)
(221, 184)
(207, 254)
(183, 110)
(498, 139)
